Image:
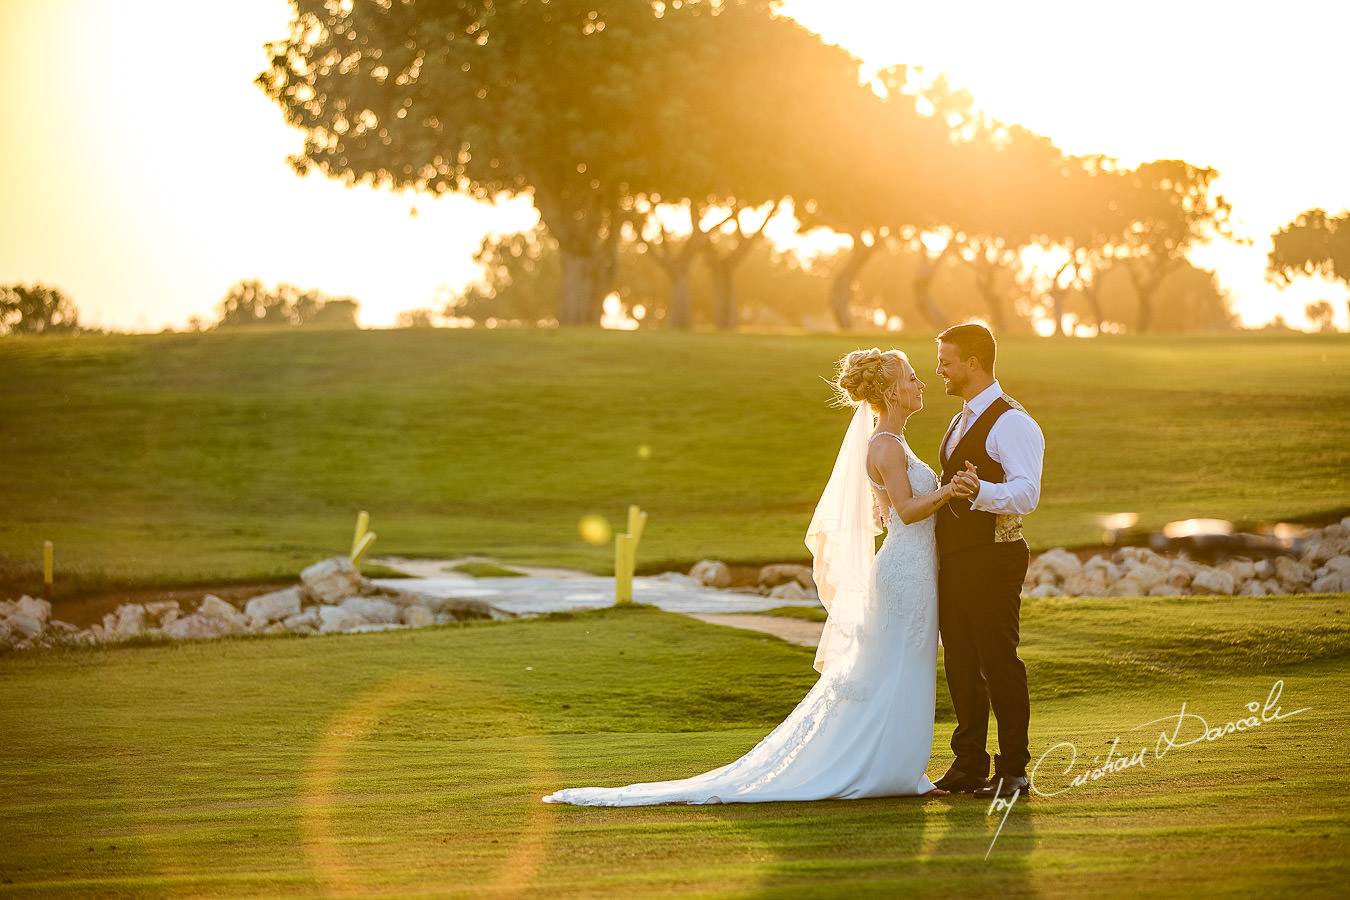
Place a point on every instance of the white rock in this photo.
(1293, 575)
(214, 607)
(131, 620)
(1240, 568)
(1213, 581)
(372, 610)
(199, 627)
(1080, 585)
(788, 590)
(334, 619)
(275, 606)
(333, 580)
(1318, 551)
(1334, 583)
(1264, 568)
(418, 616)
(1253, 588)
(1103, 570)
(1053, 565)
(1165, 590)
(772, 576)
(1146, 574)
(1338, 564)
(7, 608)
(304, 622)
(1045, 590)
(163, 611)
(34, 608)
(711, 573)
(20, 625)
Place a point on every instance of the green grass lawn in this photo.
(204, 458)
(411, 764)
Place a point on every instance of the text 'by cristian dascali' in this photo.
(1182, 730)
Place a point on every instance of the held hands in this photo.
(966, 483)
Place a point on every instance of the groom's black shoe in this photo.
(958, 782)
(1004, 786)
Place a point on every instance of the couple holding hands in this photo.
(952, 562)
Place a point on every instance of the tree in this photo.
(1189, 300)
(1312, 244)
(884, 170)
(738, 123)
(252, 303)
(578, 103)
(1170, 208)
(521, 274)
(1087, 230)
(36, 309)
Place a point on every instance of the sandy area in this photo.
(794, 631)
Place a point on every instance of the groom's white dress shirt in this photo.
(1015, 443)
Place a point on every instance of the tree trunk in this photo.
(581, 281)
(841, 286)
(923, 289)
(1147, 280)
(587, 236)
(1092, 293)
(1057, 292)
(680, 310)
(986, 272)
(724, 292)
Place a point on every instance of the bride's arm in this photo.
(890, 462)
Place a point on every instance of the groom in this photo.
(995, 449)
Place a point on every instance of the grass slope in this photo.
(179, 459)
(411, 764)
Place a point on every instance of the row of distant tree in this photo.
(38, 309)
(682, 128)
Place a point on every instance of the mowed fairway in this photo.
(235, 456)
(411, 764)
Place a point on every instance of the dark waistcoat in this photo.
(959, 527)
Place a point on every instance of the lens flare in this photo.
(595, 529)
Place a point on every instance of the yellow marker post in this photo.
(637, 520)
(47, 570)
(623, 569)
(366, 540)
(362, 524)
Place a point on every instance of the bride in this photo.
(866, 728)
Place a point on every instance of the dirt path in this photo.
(794, 631)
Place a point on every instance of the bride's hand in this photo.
(966, 483)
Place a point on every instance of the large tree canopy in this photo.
(593, 107)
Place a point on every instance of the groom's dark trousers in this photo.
(979, 593)
(982, 564)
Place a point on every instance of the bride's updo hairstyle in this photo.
(864, 376)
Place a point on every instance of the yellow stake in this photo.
(362, 523)
(366, 541)
(47, 570)
(637, 520)
(623, 569)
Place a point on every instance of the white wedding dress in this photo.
(866, 728)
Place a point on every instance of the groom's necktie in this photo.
(961, 425)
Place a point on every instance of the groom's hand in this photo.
(967, 482)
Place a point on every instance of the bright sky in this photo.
(144, 175)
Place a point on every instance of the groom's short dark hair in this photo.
(972, 340)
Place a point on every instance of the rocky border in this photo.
(332, 598)
(1318, 562)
